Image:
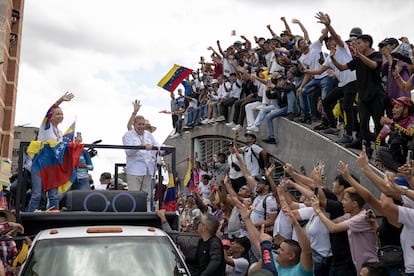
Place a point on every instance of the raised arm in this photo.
(67, 97)
(248, 43)
(361, 190)
(288, 168)
(405, 86)
(326, 20)
(302, 27)
(270, 30)
(249, 178)
(137, 105)
(332, 226)
(363, 164)
(372, 64)
(341, 67)
(306, 250)
(287, 27)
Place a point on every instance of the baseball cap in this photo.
(226, 242)
(388, 41)
(280, 76)
(243, 241)
(262, 179)
(355, 31)
(250, 134)
(105, 176)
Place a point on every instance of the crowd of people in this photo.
(324, 231)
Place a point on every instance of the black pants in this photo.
(348, 93)
(224, 107)
(240, 111)
(366, 109)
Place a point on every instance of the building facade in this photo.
(11, 15)
(21, 134)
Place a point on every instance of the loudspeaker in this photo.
(106, 201)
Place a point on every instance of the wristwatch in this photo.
(403, 190)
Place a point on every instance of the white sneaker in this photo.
(253, 128)
(220, 119)
(212, 121)
(260, 107)
(175, 136)
(237, 127)
(205, 121)
(231, 124)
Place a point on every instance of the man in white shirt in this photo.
(140, 164)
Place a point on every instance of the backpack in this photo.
(262, 161)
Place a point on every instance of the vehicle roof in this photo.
(99, 231)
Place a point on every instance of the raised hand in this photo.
(243, 210)
(363, 161)
(270, 169)
(137, 105)
(288, 167)
(67, 97)
(263, 235)
(322, 18)
(343, 169)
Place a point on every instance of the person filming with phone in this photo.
(400, 130)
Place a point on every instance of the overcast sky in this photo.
(109, 53)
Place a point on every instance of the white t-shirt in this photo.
(204, 190)
(406, 217)
(316, 231)
(252, 160)
(236, 89)
(343, 56)
(233, 174)
(221, 92)
(100, 187)
(241, 266)
(310, 60)
(257, 214)
(282, 226)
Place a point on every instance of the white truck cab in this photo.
(103, 250)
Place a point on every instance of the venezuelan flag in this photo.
(189, 177)
(174, 77)
(170, 196)
(55, 164)
(69, 133)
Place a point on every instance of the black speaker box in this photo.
(106, 201)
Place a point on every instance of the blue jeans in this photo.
(37, 192)
(81, 184)
(325, 84)
(292, 103)
(262, 114)
(192, 116)
(273, 114)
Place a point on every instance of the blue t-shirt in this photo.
(294, 270)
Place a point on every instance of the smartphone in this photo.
(409, 157)
(280, 179)
(78, 134)
(393, 64)
(316, 191)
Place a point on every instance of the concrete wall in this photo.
(297, 144)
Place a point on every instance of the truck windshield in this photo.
(105, 256)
